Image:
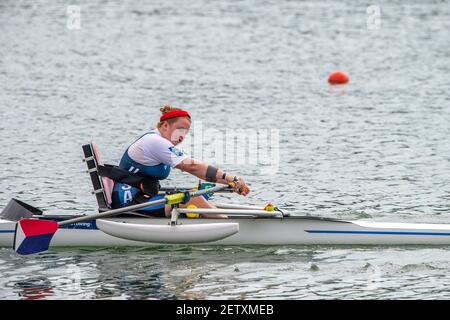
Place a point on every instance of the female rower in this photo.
(154, 154)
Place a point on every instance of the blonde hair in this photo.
(165, 109)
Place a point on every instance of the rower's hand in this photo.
(240, 187)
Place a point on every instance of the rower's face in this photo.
(178, 130)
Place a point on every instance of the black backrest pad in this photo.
(91, 163)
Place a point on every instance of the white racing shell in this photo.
(293, 230)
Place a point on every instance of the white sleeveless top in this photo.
(153, 149)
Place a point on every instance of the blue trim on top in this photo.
(7, 231)
(406, 233)
(160, 171)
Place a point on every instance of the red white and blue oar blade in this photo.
(33, 235)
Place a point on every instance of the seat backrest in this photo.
(103, 186)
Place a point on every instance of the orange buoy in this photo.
(338, 77)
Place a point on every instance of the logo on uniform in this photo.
(176, 151)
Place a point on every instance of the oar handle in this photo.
(169, 199)
(211, 190)
(172, 189)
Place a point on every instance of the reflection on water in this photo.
(34, 288)
(231, 273)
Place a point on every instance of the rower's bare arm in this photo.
(199, 169)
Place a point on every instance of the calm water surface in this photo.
(377, 148)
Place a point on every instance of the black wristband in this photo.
(211, 174)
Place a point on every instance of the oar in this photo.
(34, 235)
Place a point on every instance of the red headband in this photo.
(174, 114)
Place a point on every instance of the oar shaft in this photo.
(135, 207)
(164, 189)
(112, 212)
(209, 190)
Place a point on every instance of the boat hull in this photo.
(261, 231)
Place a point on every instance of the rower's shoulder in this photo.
(153, 139)
(151, 135)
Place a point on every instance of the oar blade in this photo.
(33, 235)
